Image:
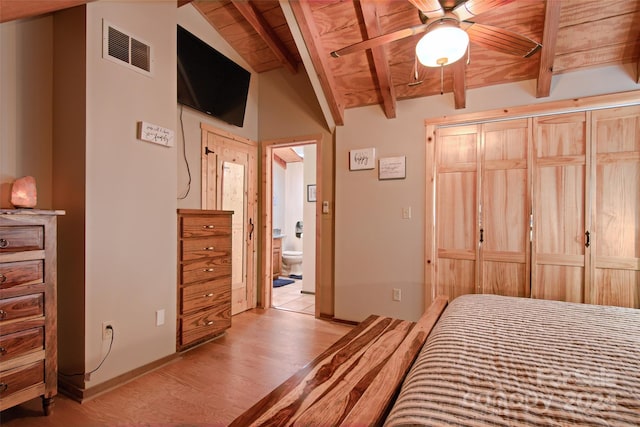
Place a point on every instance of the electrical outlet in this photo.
(406, 212)
(397, 295)
(107, 330)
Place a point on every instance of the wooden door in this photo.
(229, 182)
(615, 235)
(457, 234)
(560, 166)
(505, 209)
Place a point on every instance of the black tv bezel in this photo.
(225, 94)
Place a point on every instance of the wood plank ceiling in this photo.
(575, 35)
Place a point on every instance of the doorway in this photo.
(312, 196)
(294, 228)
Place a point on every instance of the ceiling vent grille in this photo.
(125, 49)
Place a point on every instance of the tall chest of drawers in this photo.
(204, 275)
(28, 308)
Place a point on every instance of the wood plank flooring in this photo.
(209, 385)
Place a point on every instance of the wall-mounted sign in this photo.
(154, 133)
(364, 158)
(392, 168)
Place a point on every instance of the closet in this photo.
(545, 206)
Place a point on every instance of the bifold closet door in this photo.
(504, 210)
(482, 209)
(456, 245)
(559, 197)
(615, 238)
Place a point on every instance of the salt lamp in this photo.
(23, 192)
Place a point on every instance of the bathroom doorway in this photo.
(293, 201)
(291, 207)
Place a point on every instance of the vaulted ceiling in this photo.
(574, 34)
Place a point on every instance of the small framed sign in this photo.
(364, 158)
(392, 168)
(311, 193)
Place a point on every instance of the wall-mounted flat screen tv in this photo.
(210, 82)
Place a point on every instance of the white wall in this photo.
(377, 250)
(130, 192)
(25, 106)
(309, 216)
(293, 206)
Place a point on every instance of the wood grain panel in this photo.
(616, 218)
(21, 273)
(455, 277)
(505, 208)
(559, 282)
(560, 168)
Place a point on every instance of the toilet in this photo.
(292, 262)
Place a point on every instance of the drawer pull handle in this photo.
(3, 351)
(4, 243)
(210, 322)
(3, 387)
(208, 270)
(209, 248)
(3, 278)
(3, 314)
(209, 227)
(207, 295)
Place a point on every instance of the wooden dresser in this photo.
(204, 275)
(28, 310)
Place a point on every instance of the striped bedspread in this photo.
(504, 361)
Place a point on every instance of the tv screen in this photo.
(210, 82)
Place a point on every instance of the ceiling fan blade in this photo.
(430, 8)
(471, 8)
(380, 40)
(501, 40)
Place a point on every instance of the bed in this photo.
(485, 360)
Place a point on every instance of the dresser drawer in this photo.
(21, 273)
(206, 269)
(205, 323)
(205, 248)
(196, 297)
(16, 239)
(20, 343)
(25, 306)
(206, 226)
(14, 380)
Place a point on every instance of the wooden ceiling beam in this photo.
(459, 69)
(380, 59)
(18, 9)
(183, 2)
(548, 51)
(319, 57)
(266, 33)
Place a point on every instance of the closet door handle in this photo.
(252, 227)
(587, 242)
(481, 235)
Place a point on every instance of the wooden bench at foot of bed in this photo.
(354, 381)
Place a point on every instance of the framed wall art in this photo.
(392, 168)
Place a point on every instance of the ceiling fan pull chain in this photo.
(442, 79)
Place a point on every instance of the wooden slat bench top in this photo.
(352, 382)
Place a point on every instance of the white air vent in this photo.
(124, 49)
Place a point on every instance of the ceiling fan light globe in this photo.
(441, 46)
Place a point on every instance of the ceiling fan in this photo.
(448, 33)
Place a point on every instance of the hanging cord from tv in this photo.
(184, 155)
(77, 374)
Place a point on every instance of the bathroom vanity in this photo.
(277, 256)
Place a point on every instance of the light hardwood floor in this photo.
(210, 385)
